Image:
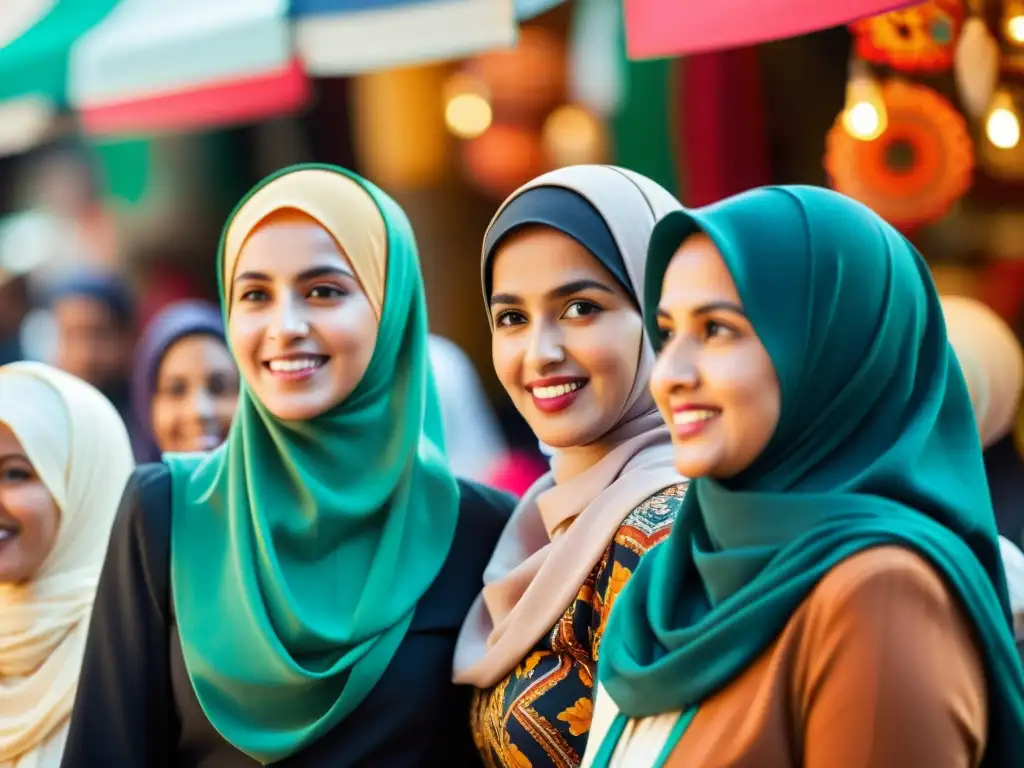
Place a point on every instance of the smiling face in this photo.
(301, 327)
(29, 518)
(567, 337)
(196, 395)
(714, 383)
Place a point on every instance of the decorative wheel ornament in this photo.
(918, 39)
(917, 169)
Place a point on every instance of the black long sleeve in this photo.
(123, 715)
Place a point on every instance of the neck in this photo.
(567, 463)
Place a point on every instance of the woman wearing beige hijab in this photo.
(563, 262)
(992, 360)
(65, 457)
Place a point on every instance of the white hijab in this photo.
(473, 439)
(80, 449)
(992, 361)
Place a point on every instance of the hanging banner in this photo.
(666, 28)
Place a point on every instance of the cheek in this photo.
(244, 334)
(33, 507)
(506, 356)
(610, 354)
(225, 406)
(350, 337)
(746, 385)
(164, 416)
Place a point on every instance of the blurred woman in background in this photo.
(563, 260)
(65, 457)
(294, 596)
(993, 365)
(185, 383)
(94, 318)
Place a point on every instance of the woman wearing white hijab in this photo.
(65, 458)
(992, 361)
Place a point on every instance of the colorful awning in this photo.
(150, 66)
(153, 65)
(35, 38)
(342, 37)
(662, 28)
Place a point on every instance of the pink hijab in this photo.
(560, 530)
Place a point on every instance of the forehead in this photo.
(697, 275)
(9, 443)
(287, 243)
(77, 308)
(534, 260)
(186, 352)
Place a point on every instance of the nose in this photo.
(289, 321)
(546, 345)
(676, 367)
(202, 405)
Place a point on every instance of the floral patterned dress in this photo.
(539, 716)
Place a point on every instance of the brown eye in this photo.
(510, 317)
(580, 309)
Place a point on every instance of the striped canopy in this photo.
(146, 66)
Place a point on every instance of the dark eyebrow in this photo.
(576, 286)
(504, 298)
(718, 306)
(19, 456)
(309, 274)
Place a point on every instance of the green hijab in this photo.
(299, 550)
(876, 445)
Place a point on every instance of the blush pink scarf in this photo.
(560, 529)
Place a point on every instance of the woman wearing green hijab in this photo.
(293, 598)
(832, 594)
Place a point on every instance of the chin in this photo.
(693, 467)
(296, 409)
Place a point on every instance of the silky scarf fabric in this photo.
(318, 537)
(79, 447)
(561, 527)
(992, 361)
(174, 323)
(876, 445)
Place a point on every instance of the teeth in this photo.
(690, 417)
(546, 393)
(292, 365)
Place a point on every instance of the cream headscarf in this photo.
(560, 529)
(80, 449)
(992, 361)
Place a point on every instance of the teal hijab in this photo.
(876, 445)
(299, 550)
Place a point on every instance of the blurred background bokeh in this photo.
(129, 130)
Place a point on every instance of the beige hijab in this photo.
(78, 445)
(560, 529)
(992, 361)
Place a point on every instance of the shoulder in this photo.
(145, 512)
(483, 512)
(881, 578)
(650, 522)
(865, 609)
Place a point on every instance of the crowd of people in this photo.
(780, 526)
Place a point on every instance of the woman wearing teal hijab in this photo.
(832, 593)
(293, 598)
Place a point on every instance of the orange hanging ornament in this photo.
(917, 169)
(921, 38)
